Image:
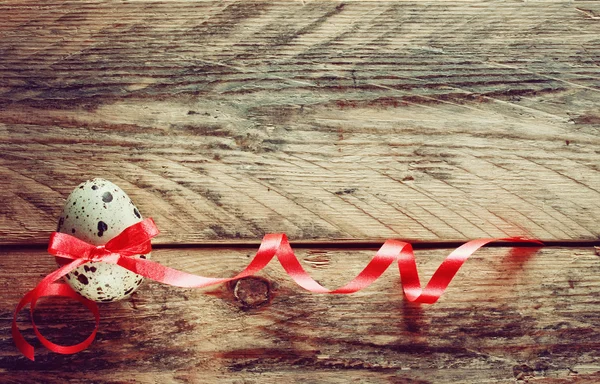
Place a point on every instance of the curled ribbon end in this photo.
(28, 353)
(23, 346)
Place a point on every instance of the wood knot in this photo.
(252, 292)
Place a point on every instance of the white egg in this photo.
(95, 212)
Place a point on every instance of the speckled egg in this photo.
(95, 212)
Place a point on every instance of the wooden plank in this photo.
(430, 120)
(520, 314)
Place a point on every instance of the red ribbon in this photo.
(136, 240)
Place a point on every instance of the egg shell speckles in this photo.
(95, 212)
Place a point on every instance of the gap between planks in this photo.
(343, 244)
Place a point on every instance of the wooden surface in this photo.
(507, 316)
(336, 123)
(324, 120)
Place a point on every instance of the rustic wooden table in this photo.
(340, 124)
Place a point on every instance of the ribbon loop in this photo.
(136, 240)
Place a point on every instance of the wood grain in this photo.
(510, 315)
(225, 120)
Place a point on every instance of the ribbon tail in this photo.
(64, 290)
(42, 289)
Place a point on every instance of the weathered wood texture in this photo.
(426, 120)
(519, 314)
(364, 120)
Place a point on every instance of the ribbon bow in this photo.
(135, 240)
